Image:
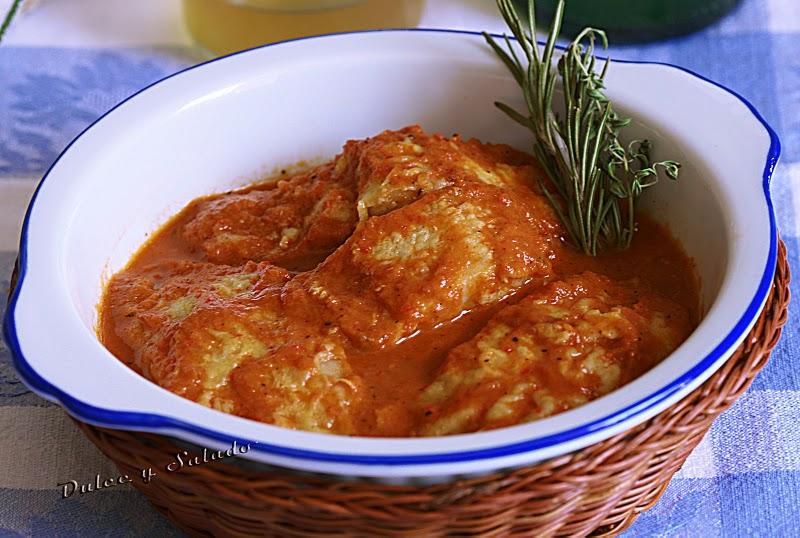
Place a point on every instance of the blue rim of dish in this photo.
(147, 421)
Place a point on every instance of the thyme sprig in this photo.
(595, 180)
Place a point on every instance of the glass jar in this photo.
(627, 21)
(225, 26)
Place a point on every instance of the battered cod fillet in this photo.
(574, 341)
(395, 168)
(295, 223)
(453, 249)
(299, 221)
(166, 293)
(219, 335)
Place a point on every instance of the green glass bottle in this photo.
(631, 21)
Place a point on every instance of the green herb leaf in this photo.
(9, 17)
(594, 181)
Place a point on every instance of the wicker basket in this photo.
(599, 490)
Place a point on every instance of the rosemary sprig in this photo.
(594, 180)
(9, 16)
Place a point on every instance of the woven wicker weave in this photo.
(598, 490)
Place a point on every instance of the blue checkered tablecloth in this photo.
(742, 480)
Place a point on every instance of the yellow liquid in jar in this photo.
(225, 26)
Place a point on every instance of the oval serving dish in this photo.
(225, 123)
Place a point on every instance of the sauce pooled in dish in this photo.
(415, 285)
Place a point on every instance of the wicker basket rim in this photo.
(520, 448)
(599, 490)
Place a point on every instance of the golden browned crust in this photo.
(423, 264)
(295, 223)
(570, 342)
(398, 236)
(221, 336)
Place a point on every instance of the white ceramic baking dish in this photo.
(227, 122)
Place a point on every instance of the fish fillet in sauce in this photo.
(415, 285)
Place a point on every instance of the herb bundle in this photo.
(595, 180)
